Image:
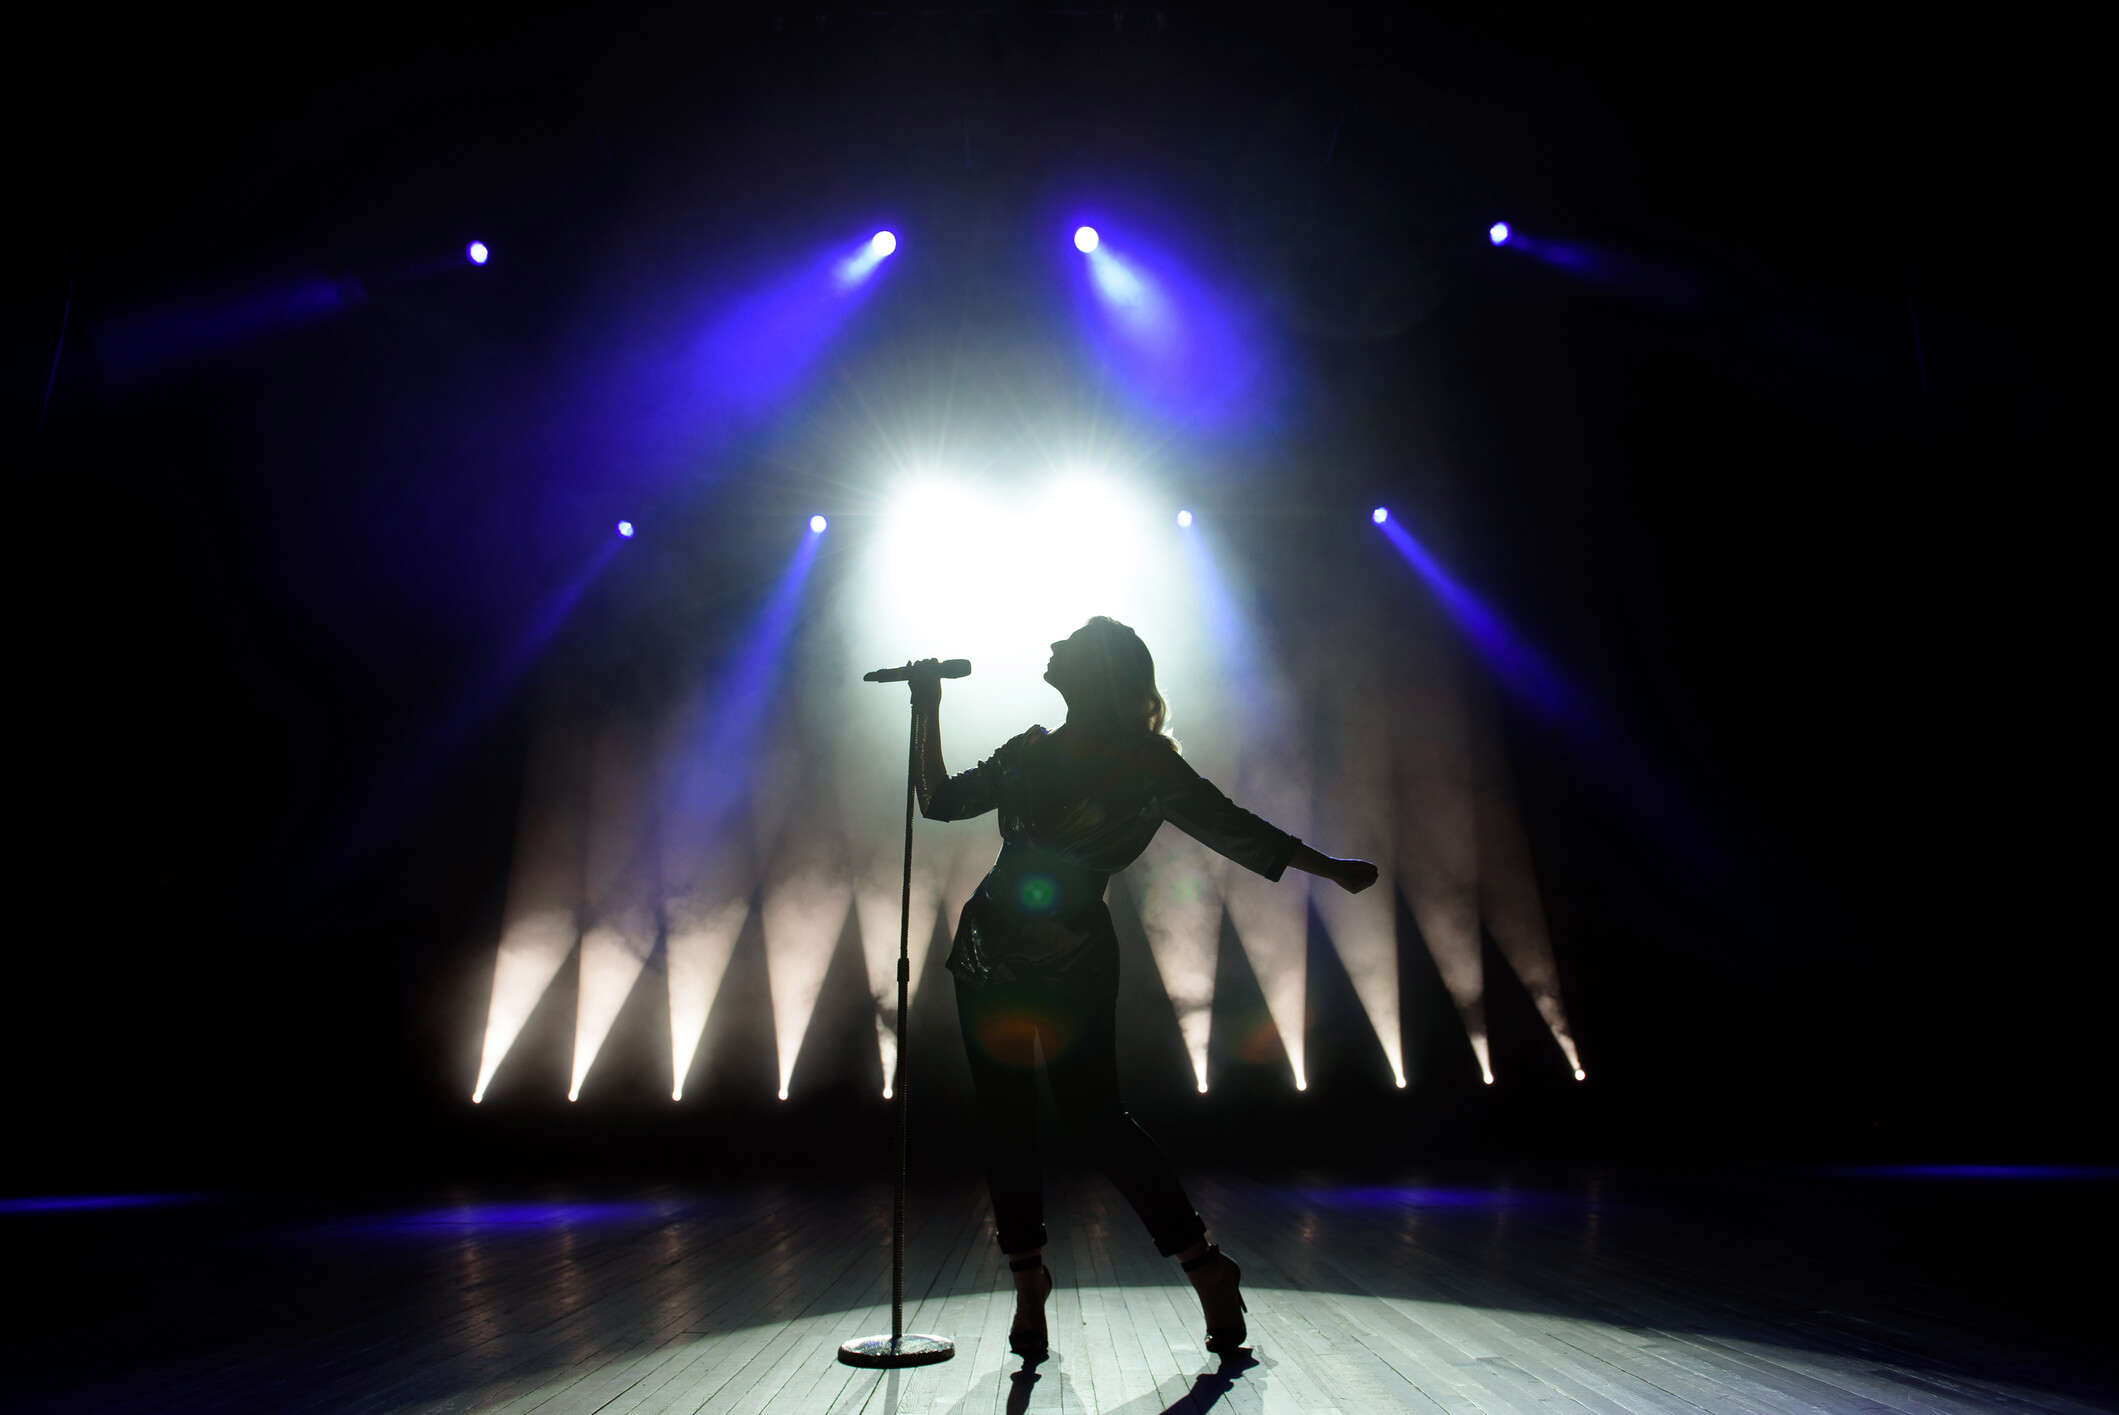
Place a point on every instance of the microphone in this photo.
(947, 668)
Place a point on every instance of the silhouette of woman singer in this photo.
(1035, 956)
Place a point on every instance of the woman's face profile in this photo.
(1066, 657)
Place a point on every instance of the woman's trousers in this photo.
(1072, 1022)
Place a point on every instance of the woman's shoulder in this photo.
(1032, 734)
(1162, 761)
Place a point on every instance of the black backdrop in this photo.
(1821, 531)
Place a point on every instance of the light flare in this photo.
(877, 912)
(540, 924)
(804, 914)
(1363, 928)
(1180, 912)
(620, 886)
(857, 267)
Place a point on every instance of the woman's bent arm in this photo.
(930, 776)
(942, 797)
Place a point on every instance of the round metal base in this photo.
(907, 1350)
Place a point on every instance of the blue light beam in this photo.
(714, 770)
(1529, 677)
(706, 891)
(477, 700)
(1521, 668)
(1183, 349)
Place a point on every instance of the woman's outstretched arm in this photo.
(1196, 806)
(1353, 876)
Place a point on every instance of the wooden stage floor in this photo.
(1578, 1292)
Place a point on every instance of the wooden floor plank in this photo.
(1485, 1300)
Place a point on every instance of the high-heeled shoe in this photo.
(1030, 1342)
(1219, 1298)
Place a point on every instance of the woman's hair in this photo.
(1124, 682)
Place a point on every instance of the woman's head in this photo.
(1107, 676)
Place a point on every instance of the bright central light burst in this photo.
(1000, 571)
(994, 570)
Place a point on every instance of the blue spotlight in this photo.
(1085, 239)
(625, 528)
(1380, 515)
(854, 270)
(817, 525)
(477, 252)
(1498, 233)
(1184, 518)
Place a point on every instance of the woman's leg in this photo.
(997, 1030)
(1083, 1069)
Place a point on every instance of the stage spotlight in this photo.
(886, 1093)
(1487, 1077)
(783, 1093)
(1580, 1074)
(625, 528)
(477, 253)
(678, 1094)
(1401, 1083)
(817, 525)
(1202, 1088)
(861, 261)
(1498, 233)
(574, 1093)
(1301, 1084)
(1184, 518)
(1085, 239)
(1380, 515)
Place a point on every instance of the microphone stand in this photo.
(900, 1348)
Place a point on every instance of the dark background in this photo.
(1794, 491)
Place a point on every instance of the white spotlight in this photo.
(478, 1096)
(1202, 1088)
(817, 525)
(1301, 1084)
(573, 1095)
(678, 1094)
(1488, 1078)
(1085, 239)
(1580, 1074)
(886, 1093)
(783, 1093)
(883, 243)
(1184, 518)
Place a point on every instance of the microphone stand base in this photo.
(910, 1349)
